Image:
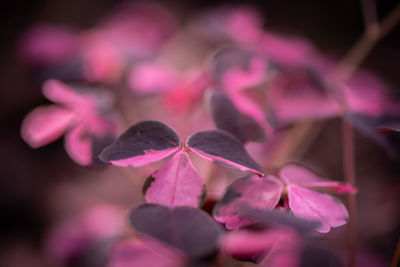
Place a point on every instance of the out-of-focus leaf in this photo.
(238, 23)
(140, 252)
(47, 44)
(389, 127)
(314, 255)
(46, 124)
(177, 183)
(368, 126)
(300, 94)
(153, 78)
(252, 191)
(236, 68)
(315, 206)
(223, 148)
(253, 245)
(61, 93)
(296, 174)
(286, 50)
(84, 142)
(279, 218)
(228, 118)
(188, 229)
(143, 143)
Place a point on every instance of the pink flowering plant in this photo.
(214, 121)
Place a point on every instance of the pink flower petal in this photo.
(46, 124)
(315, 206)
(255, 192)
(177, 183)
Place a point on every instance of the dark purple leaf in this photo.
(228, 118)
(143, 143)
(276, 218)
(189, 229)
(224, 149)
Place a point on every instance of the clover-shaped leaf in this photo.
(143, 143)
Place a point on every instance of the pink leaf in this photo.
(251, 191)
(248, 243)
(280, 245)
(315, 206)
(103, 62)
(61, 93)
(177, 183)
(297, 93)
(87, 138)
(284, 49)
(46, 124)
(135, 252)
(152, 78)
(78, 144)
(296, 174)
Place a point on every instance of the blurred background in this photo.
(43, 187)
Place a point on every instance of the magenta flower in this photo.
(297, 187)
(84, 117)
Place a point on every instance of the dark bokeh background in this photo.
(29, 177)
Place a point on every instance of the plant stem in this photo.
(396, 255)
(374, 32)
(350, 176)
